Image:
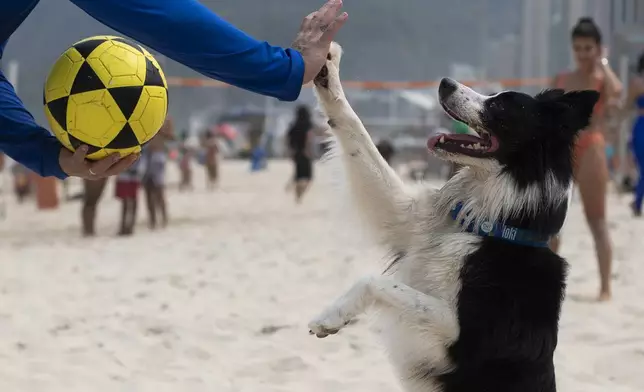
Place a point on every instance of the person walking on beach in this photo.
(185, 31)
(188, 154)
(211, 150)
(591, 167)
(127, 190)
(155, 158)
(300, 144)
(635, 99)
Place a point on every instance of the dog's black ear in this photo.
(579, 107)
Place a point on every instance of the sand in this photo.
(219, 300)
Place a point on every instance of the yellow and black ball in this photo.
(108, 93)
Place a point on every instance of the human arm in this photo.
(612, 85)
(22, 139)
(634, 89)
(188, 32)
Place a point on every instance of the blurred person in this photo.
(635, 99)
(185, 31)
(211, 150)
(127, 190)
(21, 181)
(188, 154)
(386, 149)
(300, 146)
(155, 158)
(593, 72)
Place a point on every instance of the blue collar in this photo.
(502, 231)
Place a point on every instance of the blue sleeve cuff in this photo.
(293, 86)
(50, 161)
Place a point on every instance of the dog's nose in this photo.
(446, 88)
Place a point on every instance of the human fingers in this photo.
(78, 158)
(334, 27)
(99, 168)
(306, 22)
(122, 165)
(327, 14)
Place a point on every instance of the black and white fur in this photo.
(461, 312)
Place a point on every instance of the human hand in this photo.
(315, 36)
(602, 60)
(75, 164)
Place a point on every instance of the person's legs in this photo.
(151, 203)
(214, 174)
(130, 217)
(300, 189)
(303, 175)
(592, 177)
(161, 204)
(134, 207)
(93, 191)
(183, 182)
(209, 176)
(159, 191)
(124, 208)
(21, 186)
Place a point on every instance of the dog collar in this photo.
(502, 231)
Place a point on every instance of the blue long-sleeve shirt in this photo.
(184, 31)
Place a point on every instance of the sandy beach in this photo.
(220, 299)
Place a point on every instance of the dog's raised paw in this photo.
(329, 323)
(335, 54)
(322, 78)
(323, 333)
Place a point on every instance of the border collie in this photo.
(472, 299)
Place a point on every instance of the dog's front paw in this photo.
(322, 78)
(331, 69)
(328, 323)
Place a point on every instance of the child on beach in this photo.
(127, 189)
(211, 150)
(188, 151)
(154, 157)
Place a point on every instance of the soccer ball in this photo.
(108, 93)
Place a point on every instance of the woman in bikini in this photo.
(591, 166)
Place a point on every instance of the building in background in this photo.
(503, 58)
(535, 40)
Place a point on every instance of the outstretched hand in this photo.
(316, 34)
(75, 164)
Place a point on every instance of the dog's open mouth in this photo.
(479, 145)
